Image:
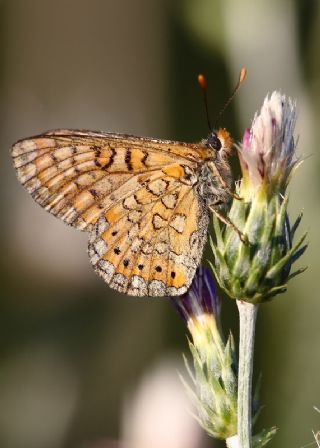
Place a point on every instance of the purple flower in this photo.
(200, 304)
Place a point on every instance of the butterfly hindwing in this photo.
(151, 243)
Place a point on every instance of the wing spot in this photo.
(94, 192)
(147, 249)
(130, 203)
(136, 245)
(126, 262)
(134, 216)
(102, 225)
(158, 268)
(140, 267)
(100, 247)
(170, 200)
(178, 223)
(114, 233)
(144, 158)
(173, 274)
(127, 159)
(117, 251)
(157, 187)
(158, 222)
(161, 247)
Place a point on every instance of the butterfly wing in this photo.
(151, 243)
(136, 197)
(74, 174)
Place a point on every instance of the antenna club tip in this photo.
(202, 81)
(243, 74)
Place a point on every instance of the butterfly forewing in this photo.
(134, 195)
(73, 173)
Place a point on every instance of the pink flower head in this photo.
(267, 152)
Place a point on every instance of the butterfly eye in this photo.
(214, 142)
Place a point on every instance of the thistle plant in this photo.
(255, 271)
(214, 363)
(251, 269)
(214, 372)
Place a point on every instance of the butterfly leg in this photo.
(229, 223)
(224, 183)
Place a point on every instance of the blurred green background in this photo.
(76, 357)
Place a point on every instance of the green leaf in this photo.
(298, 254)
(217, 231)
(297, 272)
(274, 271)
(263, 438)
(296, 225)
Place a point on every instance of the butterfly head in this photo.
(220, 141)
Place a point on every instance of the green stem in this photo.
(247, 314)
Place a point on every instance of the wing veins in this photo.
(142, 216)
(167, 227)
(122, 198)
(138, 253)
(140, 142)
(126, 231)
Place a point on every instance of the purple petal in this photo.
(201, 298)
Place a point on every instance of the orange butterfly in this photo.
(144, 202)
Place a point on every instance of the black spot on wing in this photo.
(144, 158)
(127, 159)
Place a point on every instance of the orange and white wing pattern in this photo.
(134, 195)
(151, 243)
(73, 174)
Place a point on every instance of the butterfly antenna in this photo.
(203, 86)
(242, 77)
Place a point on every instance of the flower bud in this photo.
(259, 268)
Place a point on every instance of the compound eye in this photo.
(214, 141)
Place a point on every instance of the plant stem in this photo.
(247, 314)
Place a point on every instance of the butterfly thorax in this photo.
(215, 173)
(210, 186)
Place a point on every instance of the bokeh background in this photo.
(83, 366)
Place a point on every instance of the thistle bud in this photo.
(259, 268)
(214, 378)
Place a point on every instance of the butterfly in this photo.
(144, 202)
